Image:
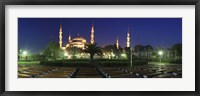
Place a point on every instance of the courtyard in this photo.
(139, 71)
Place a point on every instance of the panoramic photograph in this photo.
(99, 48)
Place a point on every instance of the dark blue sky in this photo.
(35, 33)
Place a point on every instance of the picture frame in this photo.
(3, 92)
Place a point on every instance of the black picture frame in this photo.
(3, 3)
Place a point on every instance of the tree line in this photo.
(53, 51)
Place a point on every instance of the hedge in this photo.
(100, 62)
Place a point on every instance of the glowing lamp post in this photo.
(25, 53)
(160, 53)
(131, 57)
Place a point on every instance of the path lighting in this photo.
(160, 53)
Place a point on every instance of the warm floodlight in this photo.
(123, 55)
(113, 55)
(65, 54)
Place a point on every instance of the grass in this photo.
(29, 62)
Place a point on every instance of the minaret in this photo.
(117, 43)
(69, 38)
(60, 36)
(92, 35)
(128, 38)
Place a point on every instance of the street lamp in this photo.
(131, 56)
(25, 53)
(160, 53)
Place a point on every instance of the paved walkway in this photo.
(88, 73)
(151, 70)
(160, 63)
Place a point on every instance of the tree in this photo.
(109, 48)
(177, 50)
(139, 48)
(128, 52)
(148, 48)
(112, 49)
(53, 50)
(92, 49)
(73, 51)
(36, 57)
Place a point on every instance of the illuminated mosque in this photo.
(80, 42)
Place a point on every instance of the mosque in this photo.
(80, 42)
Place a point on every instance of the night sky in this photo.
(35, 33)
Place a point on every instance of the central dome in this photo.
(79, 39)
(77, 42)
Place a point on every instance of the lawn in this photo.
(29, 62)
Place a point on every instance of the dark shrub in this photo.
(98, 62)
